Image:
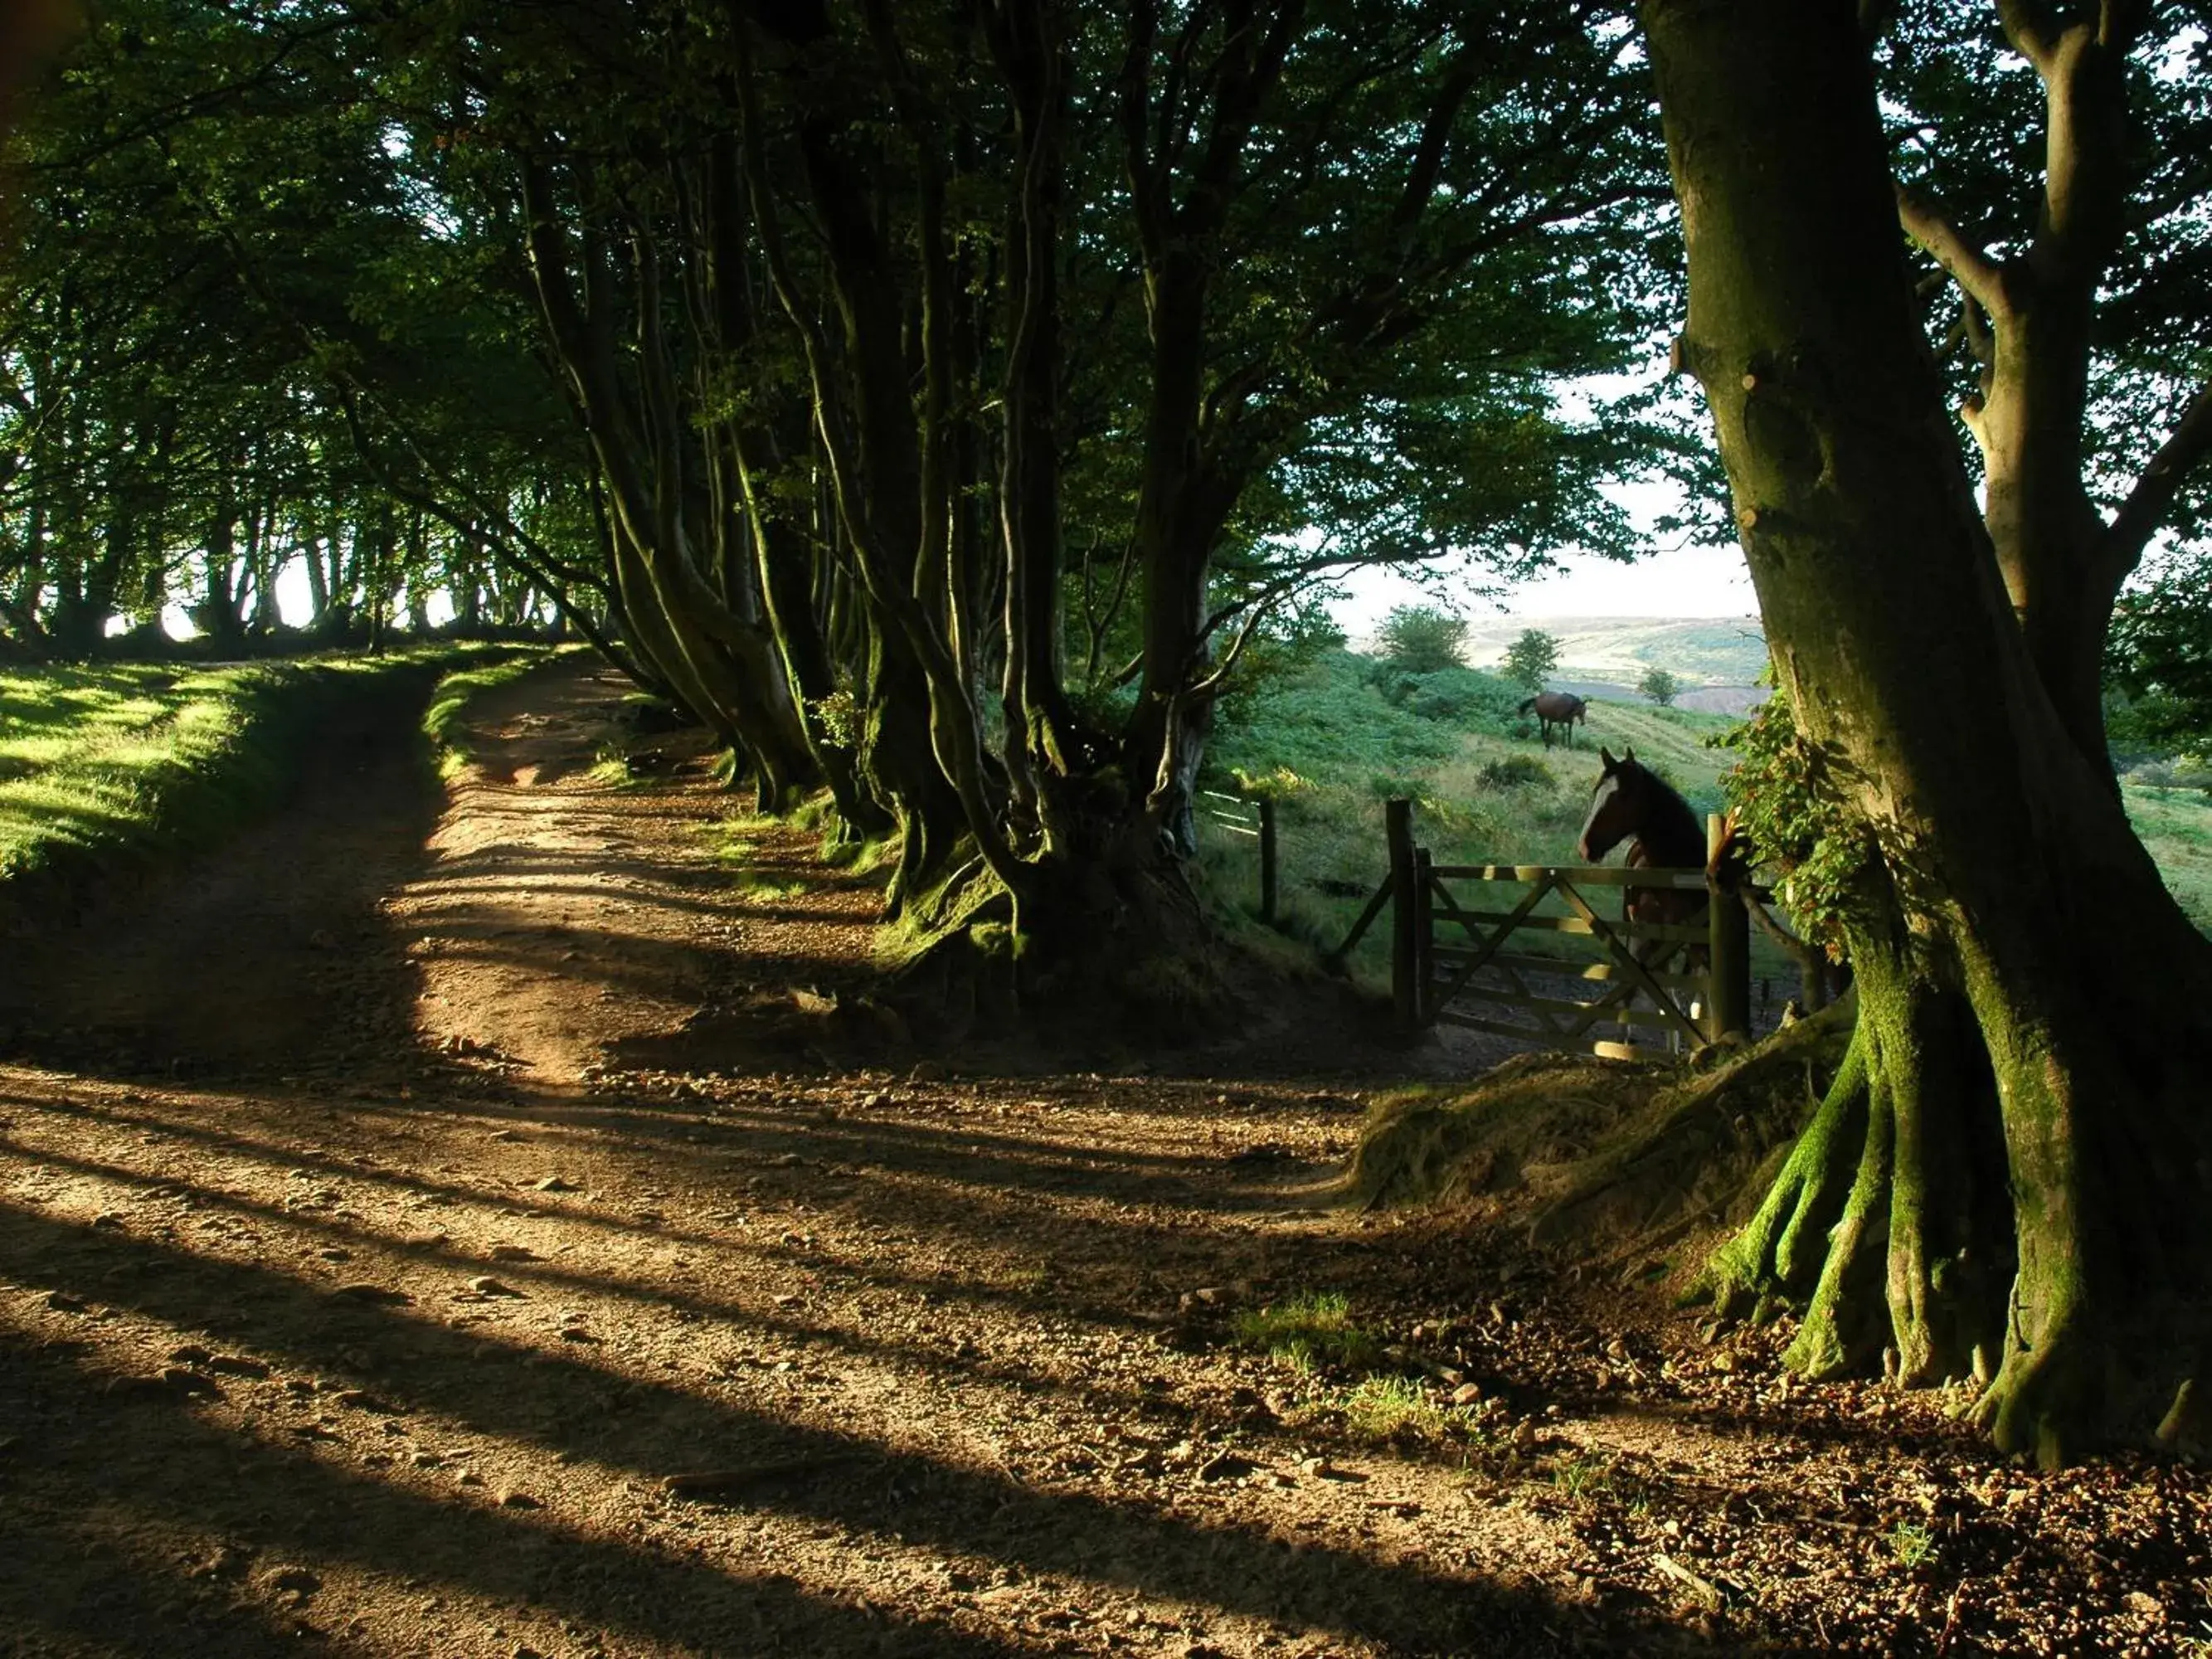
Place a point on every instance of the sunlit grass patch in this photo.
(612, 771)
(1584, 1475)
(1311, 1330)
(1909, 1542)
(860, 856)
(102, 759)
(129, 760)
(2176, 826)
(753, 884)
(735, 849)
(1401, 1408)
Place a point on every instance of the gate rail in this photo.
(1427, 974)
(1239, 815)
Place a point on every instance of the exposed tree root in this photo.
(1126, 948)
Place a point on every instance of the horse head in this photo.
(1617, 806)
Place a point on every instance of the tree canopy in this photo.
(996, 373)
(1422, 640)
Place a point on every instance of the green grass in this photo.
(1332, 741)
(1331, 747)
(1399, 1408)
(1909, 1542)
(1311, 1330)
(444, 721)
(731, 845)
(106, 765)
(1587, 1475)
(2176, 825)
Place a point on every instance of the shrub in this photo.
(1659, 685)
(1420, 639)
(1532, 657)
(1517, 772)
(1466, 696)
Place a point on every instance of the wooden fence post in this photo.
(1266, 861)
(1425, 937)
(1728, 938)
(1405, 923)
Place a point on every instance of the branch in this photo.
(2032, 30)
(1983, 277)
(2147, 503)
(507, 539)
(1147, 189)
(2118, 22)
(1303, 575)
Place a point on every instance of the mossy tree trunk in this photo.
(2025, 980)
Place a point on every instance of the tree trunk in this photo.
(1182, 505)
(2026, 914)
(1041, 737)
(2061, 567)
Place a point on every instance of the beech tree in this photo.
(910, 342)
(2007, 1177)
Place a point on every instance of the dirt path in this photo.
(387, 1212)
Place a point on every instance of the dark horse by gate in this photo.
(1557, 709)
(1633, 803)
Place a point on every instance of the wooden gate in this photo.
(1450, 949)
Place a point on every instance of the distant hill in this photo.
(1615, 650)
(1703, 699)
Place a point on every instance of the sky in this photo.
(1688, 582)
(1670, 581)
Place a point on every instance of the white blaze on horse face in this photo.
(1608, 787)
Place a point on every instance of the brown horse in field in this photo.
(1557, 709)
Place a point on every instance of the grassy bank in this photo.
(444, 721)
(112, 766)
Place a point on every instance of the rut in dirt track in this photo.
(264, 957)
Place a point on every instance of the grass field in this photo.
(2176, 824)
(1331, 746)
(1699, 651)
